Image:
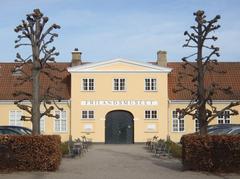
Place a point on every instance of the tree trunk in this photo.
(201, 86)
(36, 90)
(35, 101)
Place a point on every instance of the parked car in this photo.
(19, 129)
(229, 130)
(211, 128)
(9, 131)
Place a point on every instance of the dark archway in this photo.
(119, 127)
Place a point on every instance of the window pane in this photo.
(64, 125)
(227, 114)
(57, 125)
(85, 84)
(174, 114)
(153, 84)
(147, 115)
(220, 121)
(178, 124)
(18, 118)
(12, 118)
(42, 124)
(61, 123)
(147, 84)
(181, 125)
(15, 118)
(91, 114)
(154, 114)
(84, 114)
(122, 84)
(197, 125)
(224, 118)
(116, 86)
(175, 125)
(91, 84)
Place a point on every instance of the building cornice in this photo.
(188, 101)
(89, 67)
(26, 101)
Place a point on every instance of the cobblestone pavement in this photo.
(118, 162)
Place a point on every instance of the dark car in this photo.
(6, 131)
(19, 129)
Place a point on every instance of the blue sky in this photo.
(132, 29)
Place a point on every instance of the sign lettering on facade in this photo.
(119, 103)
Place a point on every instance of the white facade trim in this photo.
(27, 102)
(188, 101)
(88, 68)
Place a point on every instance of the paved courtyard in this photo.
(118, 162)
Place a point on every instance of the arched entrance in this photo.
(119, 127)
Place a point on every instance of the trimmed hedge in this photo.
(64, 148)
(39, 152)
(175, 149)
(211, 153)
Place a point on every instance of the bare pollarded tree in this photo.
(201, 106)
(39, 64)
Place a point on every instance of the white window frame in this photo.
(150, 84)
(88, 84)
(119, 84)
(176, 121)
(196, 125)
(224, 119)
(42, 125)
(15, 120)
(150, 115)
(87, 115)
(60, 119)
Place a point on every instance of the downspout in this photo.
(70, 120)
(168, 122)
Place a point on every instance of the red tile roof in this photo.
(231, 78)
(8, 81)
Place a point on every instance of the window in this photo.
(61, 122)
(178, 123)
(151, 114)
(196, 122)
(197, 125)
(42, 124)
(15, 118)
(87, 84)
(224, 118)
(119, 84)
(87, 114)
(150, 84)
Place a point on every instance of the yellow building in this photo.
(119, 101)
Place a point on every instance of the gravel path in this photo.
(118, 162)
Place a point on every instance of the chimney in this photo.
(162, 58)
(76, 57)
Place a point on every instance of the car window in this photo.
(1, 131)
(28, 131)
(235, 132)
(220, 131)
(22, 131)
(8, 131)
